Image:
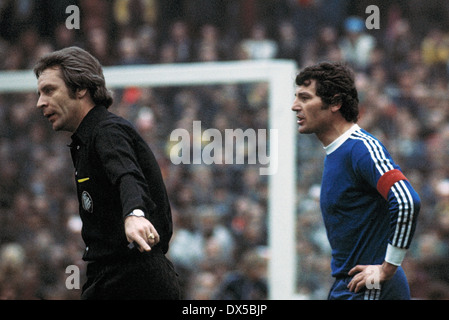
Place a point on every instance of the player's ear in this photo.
(335, 107)
(336, 103)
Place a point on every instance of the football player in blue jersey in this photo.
(369, 207)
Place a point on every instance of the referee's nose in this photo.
(41, 101)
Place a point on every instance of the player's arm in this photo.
(378, 169)
(404, 205)
(375, 166)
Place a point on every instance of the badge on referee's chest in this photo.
(86, 201)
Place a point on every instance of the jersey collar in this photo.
(87, 125)
(340, 140)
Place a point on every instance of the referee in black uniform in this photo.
(124, 207)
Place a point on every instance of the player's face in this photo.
(312, 116)
(55, 102)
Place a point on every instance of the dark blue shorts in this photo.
(394, 289)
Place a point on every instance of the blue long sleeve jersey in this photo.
(369, 207)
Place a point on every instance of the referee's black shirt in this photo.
(115, 173)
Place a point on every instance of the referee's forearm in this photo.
(133, 195)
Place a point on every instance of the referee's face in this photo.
(311, 113)
(55, 102)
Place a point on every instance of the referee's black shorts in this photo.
(142, 276)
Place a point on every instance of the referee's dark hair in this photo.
(334, 85)
(80, 70)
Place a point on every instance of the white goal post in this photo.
(280, 75)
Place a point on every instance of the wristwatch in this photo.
(136, 213)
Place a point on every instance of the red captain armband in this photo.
(388, 180)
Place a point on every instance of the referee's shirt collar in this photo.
(86, 126)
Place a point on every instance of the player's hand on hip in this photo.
(142, 232)
(370, 274)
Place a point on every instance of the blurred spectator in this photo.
(435, 50)
(146, 39)
(400, 41)
(258, 45)
(323, 47)
(133, 14)
(179, 39)
(15, 16)
(209, 46)
(307, 17)
(356, 45)
(128, 51)
(96, 14)
(63, 37)
(289, 44)
(98, 43)
(203, 286)
(248, 282)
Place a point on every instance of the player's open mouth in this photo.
(300, 120)
(49, 116)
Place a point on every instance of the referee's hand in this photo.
(140, 231)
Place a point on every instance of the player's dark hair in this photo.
(334, 85)
(80, 70)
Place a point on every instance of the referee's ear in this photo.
(81, 93)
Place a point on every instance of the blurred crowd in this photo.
(219, 246)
